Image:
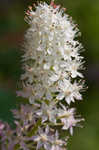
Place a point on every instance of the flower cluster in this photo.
(52, 58)
(51, 81)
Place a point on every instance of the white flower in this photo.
(48, 112)
(43, 139)
(57, 144)
(69, 91)
(67, 117)
(73, 67)
(70, 123)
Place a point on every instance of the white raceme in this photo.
(51, 53)
(51, 78)
(51, 82)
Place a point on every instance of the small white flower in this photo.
(69, 91)
(70, 123)
(57, 144)
(43, 139)
(67, 117)
(73, 67)
(48, 112)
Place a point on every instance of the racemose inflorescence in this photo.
(51, 82)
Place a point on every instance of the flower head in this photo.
(51, 56)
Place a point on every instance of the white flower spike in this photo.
(51, 82)
(53, 54)
(52, 77)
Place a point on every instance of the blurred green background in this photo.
(12, 27)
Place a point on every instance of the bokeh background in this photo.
(12, 28)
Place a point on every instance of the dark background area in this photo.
(12, 28)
